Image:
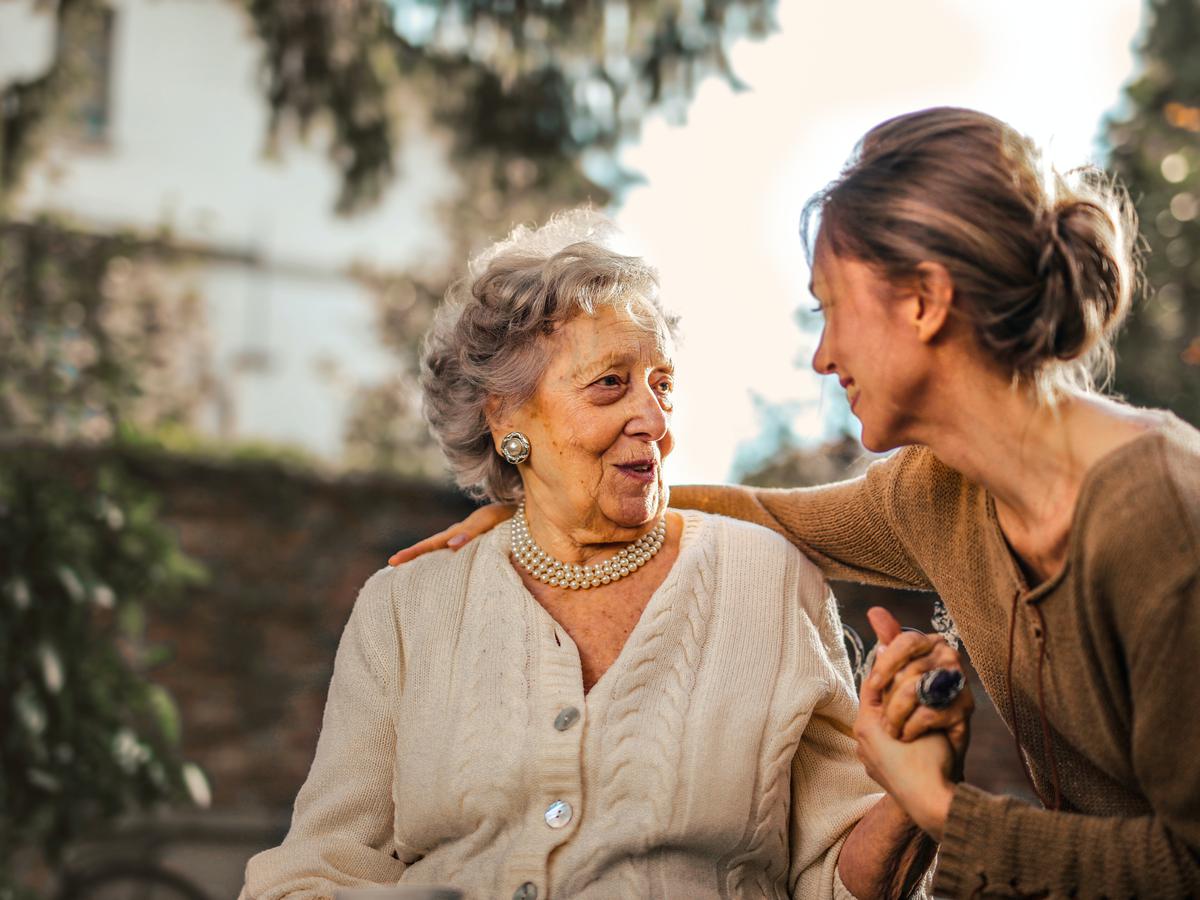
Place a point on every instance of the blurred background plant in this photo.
(93, 336)
(1155, 148)
(87, 351)
(88, 737)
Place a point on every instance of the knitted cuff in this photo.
(961, 858)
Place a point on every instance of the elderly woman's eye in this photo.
(609, 381)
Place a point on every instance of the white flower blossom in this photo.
(128, 751)
(52, 670)
(44, 780)
(197, 785)
(30, 711)
(19, 591)
(113, 515)
(103, 596)
(71, 582)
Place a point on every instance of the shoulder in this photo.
(735, 535)
(749, 554)
(1139, 517)
(429, 584)
(919, 480)
(934, 510)
(1178, 450)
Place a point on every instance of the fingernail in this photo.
(457, 541)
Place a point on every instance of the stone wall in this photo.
(252, 650)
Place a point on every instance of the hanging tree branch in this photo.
(30, 108)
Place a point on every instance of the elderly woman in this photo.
(599, 698)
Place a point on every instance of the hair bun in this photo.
(1084, 272)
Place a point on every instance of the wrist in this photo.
(932, 809)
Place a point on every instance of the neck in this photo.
(580, 540)
(1029, 456)
(1032, 458)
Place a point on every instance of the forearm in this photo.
(992, 841)
(886, 854)
(734, 501)
(840, 527)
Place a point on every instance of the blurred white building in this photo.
(174, 137)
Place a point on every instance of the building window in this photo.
(90, 57)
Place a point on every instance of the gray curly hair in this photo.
(488, 340)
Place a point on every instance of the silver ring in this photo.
(938, 688)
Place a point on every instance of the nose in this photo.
(822, 361)
(648, 420)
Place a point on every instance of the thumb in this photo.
(884, 623)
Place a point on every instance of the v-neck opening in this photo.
(1039, 591)
(692, 522)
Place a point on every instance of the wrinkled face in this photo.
(867, 344)
(599, 426)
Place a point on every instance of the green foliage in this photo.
(385, 430)
(544, 81)
(1155, 147)
(86, 736)
(336, 63)
(92, 334)
(28, 108)
(92, 341)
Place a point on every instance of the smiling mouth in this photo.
(642, 471)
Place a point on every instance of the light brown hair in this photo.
(1043, 264)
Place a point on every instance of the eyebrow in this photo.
(604, 362)
(611, 360)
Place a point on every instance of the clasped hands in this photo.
(914, 752)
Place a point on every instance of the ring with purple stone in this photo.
(938, 688)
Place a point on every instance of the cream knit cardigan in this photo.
(713, 759)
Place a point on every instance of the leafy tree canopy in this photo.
(543, 80)
(1155, 147)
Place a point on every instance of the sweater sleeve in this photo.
(845, 528)
(342, 825)
(830, 789)
(1000, 846)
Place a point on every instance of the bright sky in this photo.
(720, 208)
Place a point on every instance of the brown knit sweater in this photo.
(1117, 633)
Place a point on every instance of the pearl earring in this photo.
(514, 447)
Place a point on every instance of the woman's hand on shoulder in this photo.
(482, 520)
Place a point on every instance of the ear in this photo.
(935, 296)
(494, 413)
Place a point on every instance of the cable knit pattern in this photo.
(1119, 627)
(713, 759)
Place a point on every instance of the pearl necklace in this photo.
(544, 567)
